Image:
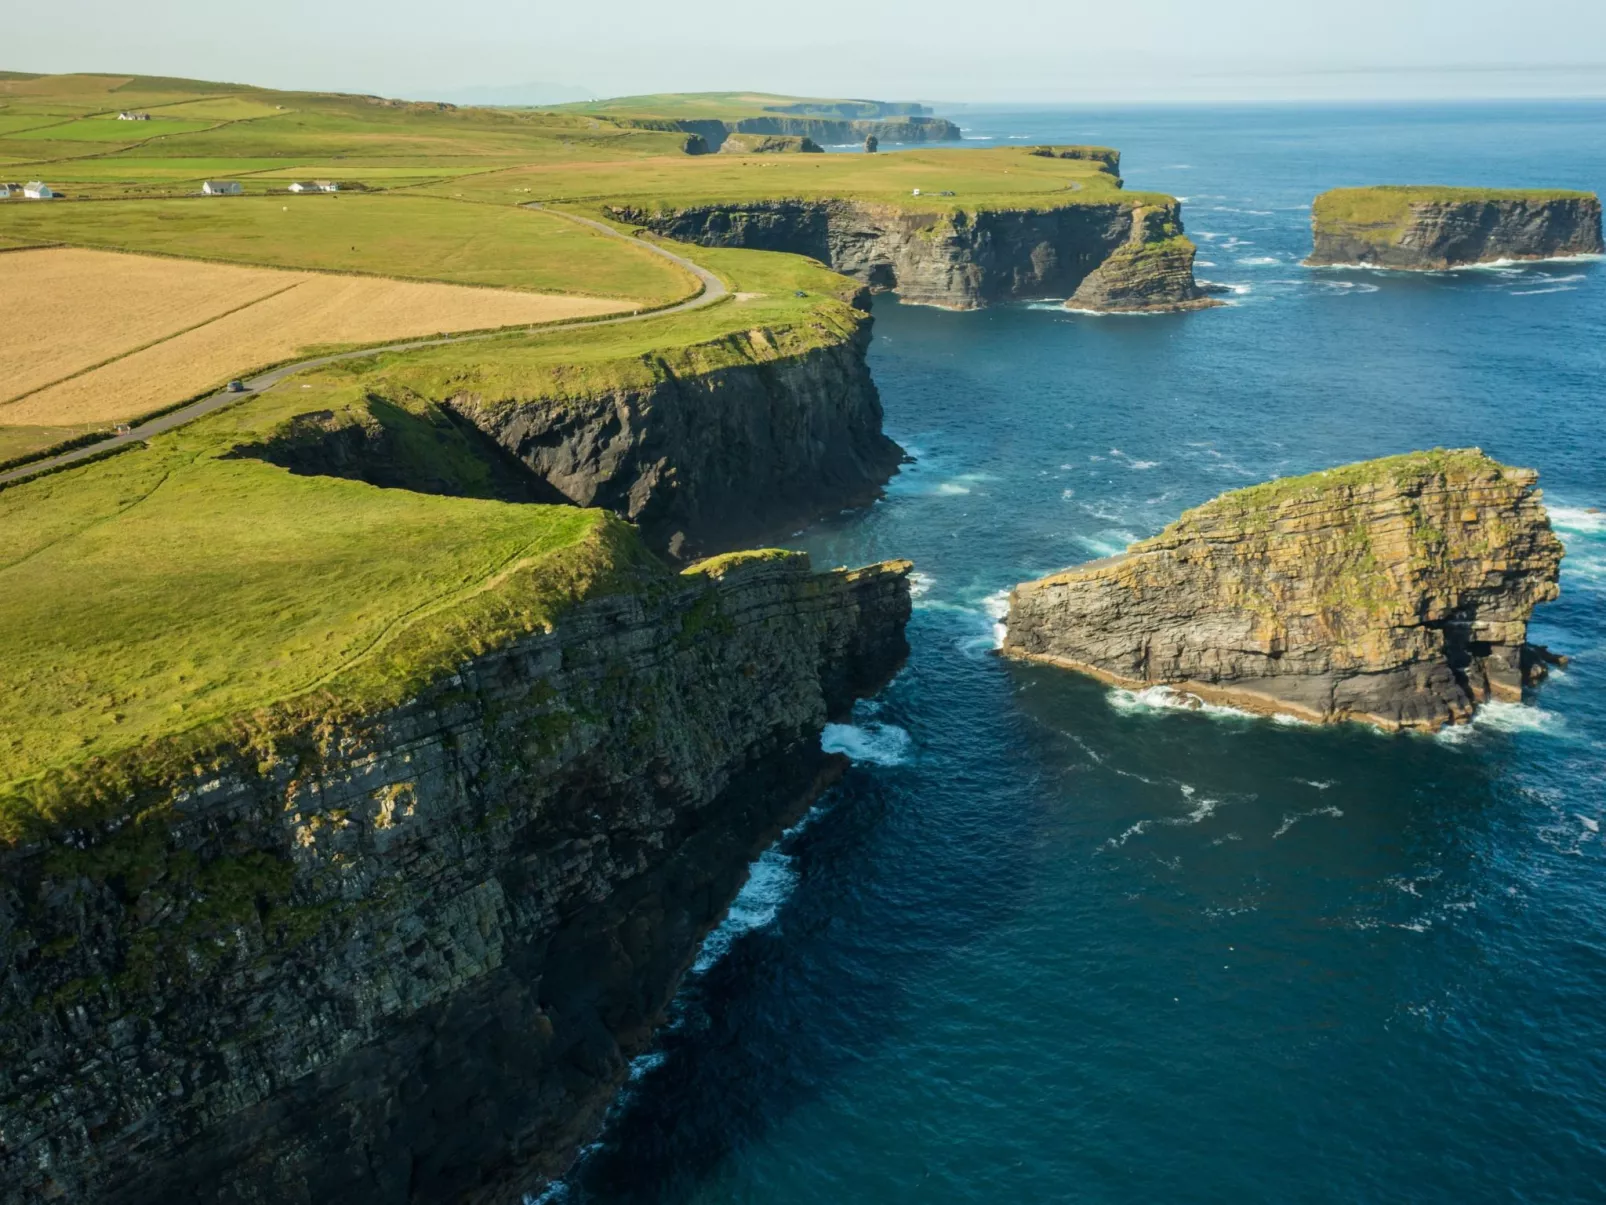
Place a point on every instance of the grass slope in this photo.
(409, 237)
(1002, 178)
(147, 599)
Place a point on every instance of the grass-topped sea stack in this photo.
(1434, 227)
(1393, 591)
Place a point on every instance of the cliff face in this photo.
(1395, 591)
(1152, 272)
(1435, 229)
(713, 459)
(768, 144)
(958, 260)
(406, 956)
(836, 131)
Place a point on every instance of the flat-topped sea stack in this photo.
(1150, 273)
(1393, 591)
(1429, 227)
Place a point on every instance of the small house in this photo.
(298, 186)
(37, 190)
(326, 185)
(130, 116)
(5, 191)
(220, 188)
(914, 192)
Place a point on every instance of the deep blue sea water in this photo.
(1053, 942)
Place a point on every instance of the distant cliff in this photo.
(1394, 591)
(826, 130)
(406, 956)
(1433, 228)
(964, 260)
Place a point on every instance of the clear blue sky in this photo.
(998, 50)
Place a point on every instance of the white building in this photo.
(298, 186)
(36, 190)
(326, 185)
(5, 191)
(128, 116)
(220, 188)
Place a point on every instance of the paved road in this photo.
(713, 290)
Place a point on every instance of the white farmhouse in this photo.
(36, 190)
(220, 188)
(326, 185)
(298, 186)
(131, 116)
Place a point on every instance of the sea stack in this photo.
(1426, 228)
(1394, 591)
(1151, 272)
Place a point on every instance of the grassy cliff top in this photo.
(732, 106)
(157, 601)
(1006, 178)
(1403, 473)
(1387, 204)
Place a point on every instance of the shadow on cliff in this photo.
(429, 450)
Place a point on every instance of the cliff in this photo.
(826, 130)
(960, 259)
(405, 954)
(768, 144)
(1428, 228)
(1393, 591)
(1152, 272)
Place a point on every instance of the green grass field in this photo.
(412, 237)
(186, 588)
(1004, 178)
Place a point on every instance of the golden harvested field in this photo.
(108, 337)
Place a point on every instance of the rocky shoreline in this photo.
(1394, 592)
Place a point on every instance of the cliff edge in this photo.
(1393, 591)
(1426, 228)
(405, 954)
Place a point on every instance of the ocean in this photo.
(1055, 942)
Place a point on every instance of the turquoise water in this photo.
(1052, 942)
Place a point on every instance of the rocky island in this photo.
(1427, 228)
(1395, 592)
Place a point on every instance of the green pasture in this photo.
(410, 237)
(1380, 210)
(166, 590)
(1002, 178)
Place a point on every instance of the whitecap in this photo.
(1578, 519)
(1166, 698)
(919, 584)
(1321, 784)
(1291, 819)
(952, 488)
(996, 605)
(1107, 543)
(1258, 260)
(1504, 717)
(874, 743)
(1539, 292)
(770, 880)
(645, 1064)
(1203, 263)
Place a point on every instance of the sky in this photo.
(959, 51)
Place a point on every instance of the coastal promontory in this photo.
(1431, 227)
(1394, 591)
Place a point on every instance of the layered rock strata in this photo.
(1437, 228)
(960, 260)
(1152, 272)
(1395, 591)
(832, 131)
(711, 459)
(769, 144)
(406, 956)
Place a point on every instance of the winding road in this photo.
(713, 291)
